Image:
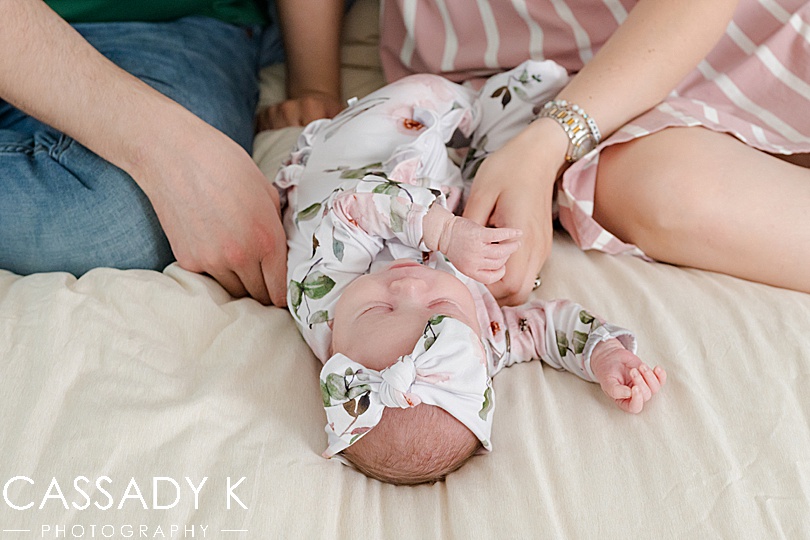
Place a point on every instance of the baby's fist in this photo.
(624, 377)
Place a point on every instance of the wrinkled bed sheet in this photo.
(132, 387)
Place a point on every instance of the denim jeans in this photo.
(63, 208)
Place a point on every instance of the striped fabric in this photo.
(754, 85)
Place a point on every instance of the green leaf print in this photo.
(358, 390)
(338, 248)
(356, 174)
(309, 212)
(580, 338)
(562, 343)
(399, 213)
(296, 291)
(387, 188)
(318, 317)
(520, 93)
(336, 387)
(325, 395)
(524, 77)
(436, 319)
(585, 317)
(317, 285)
(488, 403)
(429, 341)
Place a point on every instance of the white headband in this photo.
(447, 368)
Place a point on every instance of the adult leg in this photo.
(64, 208)
(698, 198)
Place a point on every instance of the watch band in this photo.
(583, 133)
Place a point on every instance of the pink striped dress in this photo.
(754, 85)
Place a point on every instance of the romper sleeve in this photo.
(357, 220)
(561, 333)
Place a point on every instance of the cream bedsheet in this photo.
(127, 380)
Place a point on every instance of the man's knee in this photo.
(73, 212)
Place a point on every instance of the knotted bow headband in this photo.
(447, 368)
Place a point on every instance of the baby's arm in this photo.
(476, 251)
(415, 216)
(566, 336)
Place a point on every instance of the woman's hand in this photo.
(514, 188)
(299, 111)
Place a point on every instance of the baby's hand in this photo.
(624, 377)
(478, 252)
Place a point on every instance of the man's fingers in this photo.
(253, 281)
(230, 282)
(274, 268)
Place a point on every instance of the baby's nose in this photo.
(408, 286)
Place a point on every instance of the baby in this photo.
(387, 285)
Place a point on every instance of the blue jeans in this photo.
(63, 208)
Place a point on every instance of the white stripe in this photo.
(666, 108)
(711, 114)
(776, 10)
(765, 54)
(736, 96)
(634, 130)
(586, 206)
(491, 31)
(708, 111)
(450, 40)
(738, 36)
(785, 17)
(535, 32)
(759, 135)
(616, 9)
(782, 73)
(801, 27)
(580, 35)
(603, 238)
(409, 14)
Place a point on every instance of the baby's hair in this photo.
(413, 446)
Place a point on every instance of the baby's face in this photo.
(382, 315)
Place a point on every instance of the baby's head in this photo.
(431, 408)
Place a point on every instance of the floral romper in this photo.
(359, 185)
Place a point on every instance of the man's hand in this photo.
(221, 216)
(624, 377)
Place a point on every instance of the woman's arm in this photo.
(656, 46)
(217, 209)
(311, 32)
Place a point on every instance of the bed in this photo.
(143, 404)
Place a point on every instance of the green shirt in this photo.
(232, 11)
